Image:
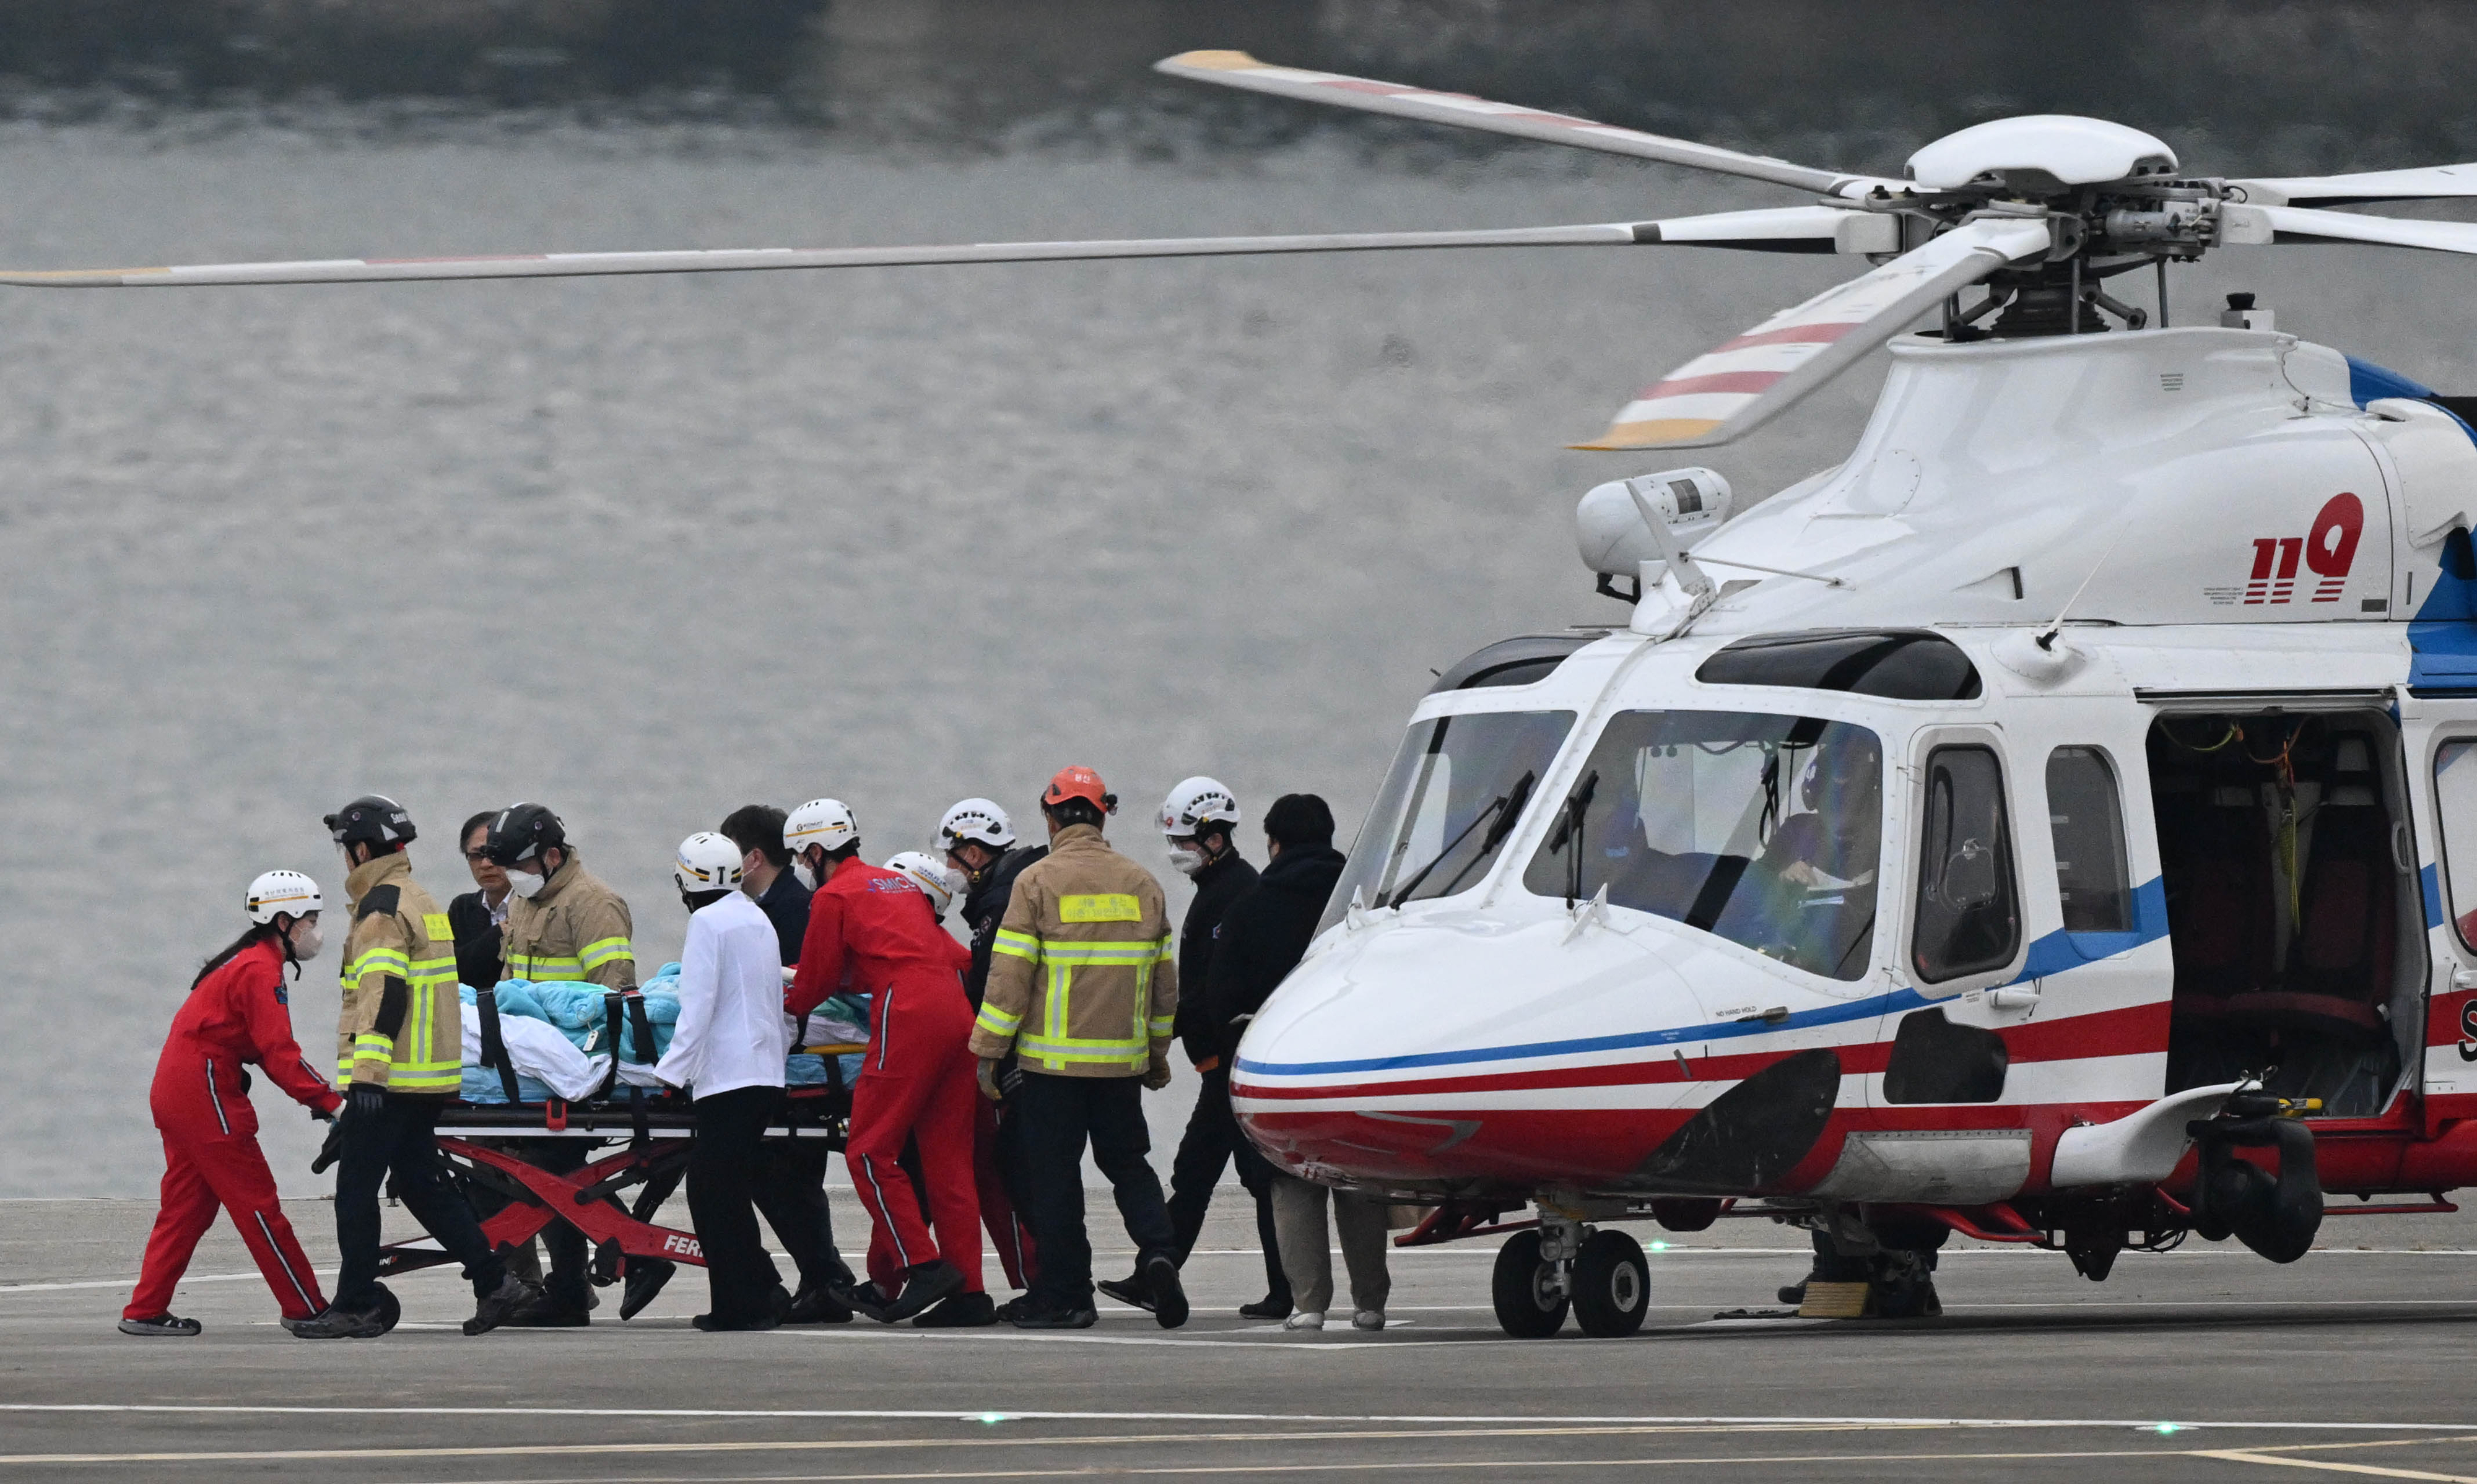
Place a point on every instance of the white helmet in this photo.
(975, 821)
(708, 862)
(939, 880)
(826, 822)
(1197, 805)
(282, 891)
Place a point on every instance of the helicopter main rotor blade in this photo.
(1814, 228)
(2423, 183)
(2256, 225)
(1237, 70)
(1738, 386)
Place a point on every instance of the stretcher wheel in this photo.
(389, 1310)
(1529, 1304)
(1611, 1285)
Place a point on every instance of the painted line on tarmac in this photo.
(2278, 1457)
(1426, 1419)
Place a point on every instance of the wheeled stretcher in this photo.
(655, 1130)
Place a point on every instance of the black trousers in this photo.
(791, 1193)
(567, 1247)
(1055, 1117)
(1212, 1140)
(723, 1167)
(400, 1141)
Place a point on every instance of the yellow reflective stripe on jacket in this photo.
(378, 960)
(1060, 1050)
(1017, 945)
(529, 966)
(1159, 1026)
(602, 950)
(997, 1022)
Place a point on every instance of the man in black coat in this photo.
(979, 841)
(1197, 820)
(1265, 933)
(1263, 936)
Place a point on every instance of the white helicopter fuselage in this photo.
(2236, 540)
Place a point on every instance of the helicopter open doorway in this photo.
(2294, 912)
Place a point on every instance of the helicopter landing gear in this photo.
(1528, 1288)
(1564, 1265)
(1611, 1285)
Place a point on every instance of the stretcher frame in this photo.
(658, 1127)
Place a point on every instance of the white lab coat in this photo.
(731, 1030)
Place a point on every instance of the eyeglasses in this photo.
(477, 856)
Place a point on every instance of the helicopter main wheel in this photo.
(1530, 1302)
(389, 1310)
(1611, 1285)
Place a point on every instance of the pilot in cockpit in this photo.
(1821, 863)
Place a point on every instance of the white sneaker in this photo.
(1305, 1319)
(1367, 1319)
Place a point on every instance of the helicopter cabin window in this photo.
(2085, 818)
(1761, 829)
(1969, 915)
(1454, 793)
(2292, 910)
(2455, 790)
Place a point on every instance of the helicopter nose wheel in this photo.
(1611, 1285)
(1529, 1290)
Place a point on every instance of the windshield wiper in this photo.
(1578, 805)
(1505, 808)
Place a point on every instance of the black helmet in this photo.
(373, 819)
(523, 829)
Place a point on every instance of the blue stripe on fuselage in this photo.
(2053, 954)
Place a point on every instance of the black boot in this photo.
(646, 1277)
(818, 1304)
(513, 1303)
(923, 1284)
(1168, 1295)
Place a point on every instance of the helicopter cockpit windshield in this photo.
(1455, 790)
(1762, 828)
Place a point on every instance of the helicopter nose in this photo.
(1421, 1051)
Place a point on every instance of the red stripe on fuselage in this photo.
(2129, 1031)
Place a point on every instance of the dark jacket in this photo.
(477, 941)
(786, 904)
(1218, 887)
(1264, 935)
(985, 907)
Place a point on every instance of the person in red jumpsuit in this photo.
(236, 1014)
(871, 932)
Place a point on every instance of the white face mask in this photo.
(1188, 858)
(306, 943)
(807, 878)
(524, 883)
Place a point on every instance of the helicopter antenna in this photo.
(2046, 638)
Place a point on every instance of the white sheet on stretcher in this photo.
(538, 1051)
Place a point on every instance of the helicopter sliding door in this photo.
(2293, 908)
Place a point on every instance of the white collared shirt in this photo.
(731, 1030)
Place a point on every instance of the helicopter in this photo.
(2055, 823)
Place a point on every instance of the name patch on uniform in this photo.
(891, 884)
(1101, 908)
(435, 925)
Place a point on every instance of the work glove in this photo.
(325, 1115)
(990, 1079)
(1157, 1076)
(366, 1100)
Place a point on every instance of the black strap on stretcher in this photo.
(625, 1008)
(494, 1048)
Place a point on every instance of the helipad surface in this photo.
(2203, 1363)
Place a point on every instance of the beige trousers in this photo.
(1307, 1255)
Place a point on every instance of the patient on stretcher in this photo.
(558, 1040)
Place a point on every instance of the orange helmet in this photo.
(1079, 783)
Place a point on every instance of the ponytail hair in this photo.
(258, 933)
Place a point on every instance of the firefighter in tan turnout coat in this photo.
(399, 1058)
(1082, 991)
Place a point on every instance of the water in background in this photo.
(649, 548)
